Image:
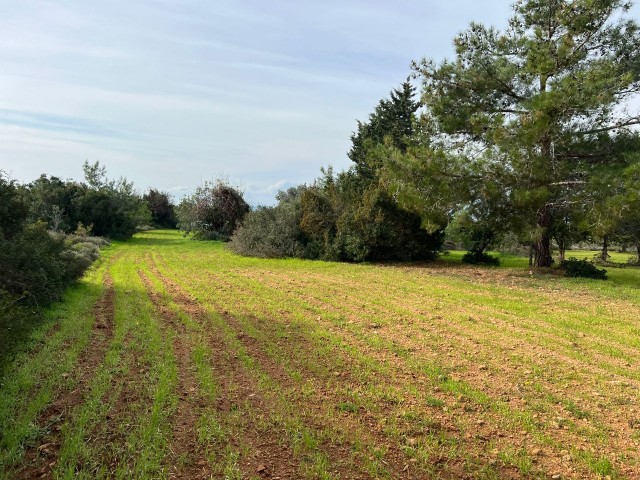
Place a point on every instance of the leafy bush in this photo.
(273, 232)
(376, 228)
(36, 264)
(80, 251)
(337, 218)
(480, 258)
(582, 268)
(213, 212)
(32, 265)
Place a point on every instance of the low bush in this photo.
(37, 265)
(270, 232)
(582, 268)
(333, 220)
(480, 258)
(80, 251)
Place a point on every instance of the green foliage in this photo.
(378, 229)
(13, 211)
(335, 220)
(273, 232)
(32, 265)
(480, 258)
(582, 268)
(212, 212)
(111, 207)
(392, 121)
(161, 208)
(37, 264)
(532, 111)
(80, 251)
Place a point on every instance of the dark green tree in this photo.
(161, 208)
(392, 121)
(543, 99)
(13, 209)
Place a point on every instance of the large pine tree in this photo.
(543, 99)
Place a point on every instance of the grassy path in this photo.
(178, 359)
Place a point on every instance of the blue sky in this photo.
(172, 93)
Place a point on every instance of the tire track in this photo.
(267, 454)
(39, 460)
(183, 444)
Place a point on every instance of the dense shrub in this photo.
(337, 218)
(480, 258)
(582, 268)
(32, 265)
(111, 207)
(80, 251)
(212, 212)
(13, 209)
(376, 228)
(37, 264)
(273, 232)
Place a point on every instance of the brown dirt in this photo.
(39, 459)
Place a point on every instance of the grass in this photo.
(244, 367)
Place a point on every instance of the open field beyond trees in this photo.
(178, 359)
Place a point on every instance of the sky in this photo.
(172, 93)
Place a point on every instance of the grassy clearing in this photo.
(234, 367)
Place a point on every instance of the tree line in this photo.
(51, 231)
(528, 133)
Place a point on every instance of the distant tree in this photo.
(13, 210)
(52, 200)
(542, 99)
(212, 212)
(161, 208)
(112, 208)
(568, 227)
(614, 213)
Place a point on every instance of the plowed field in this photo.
(179, 359)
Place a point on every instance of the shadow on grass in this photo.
(24, 328)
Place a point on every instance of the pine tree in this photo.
(392, 121)
(541, 99)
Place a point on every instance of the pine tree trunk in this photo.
(543, 244)
(605, 248)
